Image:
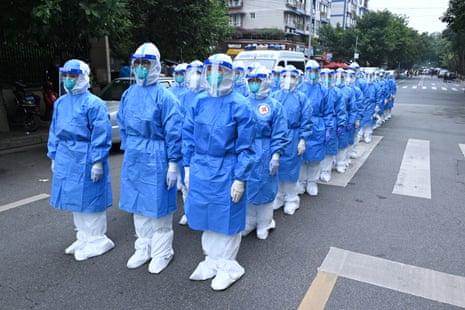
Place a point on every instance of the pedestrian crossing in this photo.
(414, 174)
(452, 88)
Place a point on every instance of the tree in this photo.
(455, 15)
(63, 25)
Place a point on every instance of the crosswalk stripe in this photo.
(23, 202)
(426, 283)
(454, 89)
(414, 177)
(363, 150)
(443, 88)
(433, 87)
(462, 148)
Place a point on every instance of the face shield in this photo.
(338, 78)
(258, 83)
(312, 72)
(370, 76)
(276, 75)
(180, 74)
(218, 75)
(288, 79)
(239, 73)
(349, 79)
(145, 64)
(325, 77)
(193, 75)
(74, 77)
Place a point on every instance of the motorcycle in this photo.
(28, 106)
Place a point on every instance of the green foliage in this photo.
(455, 15)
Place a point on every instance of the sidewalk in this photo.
(18, 138)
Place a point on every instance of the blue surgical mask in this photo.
(339, 82)
(276, 79)
(142, 72)
(236, 77)
(214, 79)
(254, 87)
(313, 76)
(179, 79)
(69, 83)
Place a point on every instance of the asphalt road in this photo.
(363, 217)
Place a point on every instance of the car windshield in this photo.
(115, 90)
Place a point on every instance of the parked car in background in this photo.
(442, 73)
(112, 93)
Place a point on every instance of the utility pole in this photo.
(310, 48)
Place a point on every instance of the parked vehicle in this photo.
(112, 93)
(442, 72)
(272, 58)
(27, 107)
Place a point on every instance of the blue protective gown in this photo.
(241, 89)
(150, 127)
(369, 104)
(218, 145)
(322, 114)
(357, 115)
(178, 91)
(392, 89)
(79, 136)
(271, 138)
(339, 119)
(349, 106)
(298, 112)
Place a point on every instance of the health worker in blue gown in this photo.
(179, 88)
(298, 112)
(270, 141)
(240, 83)
(79, 143)
(322, 118)
(150, 128)
(218, 142)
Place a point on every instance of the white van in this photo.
(272, 58)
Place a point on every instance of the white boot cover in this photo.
(161, 247)
(144, 233)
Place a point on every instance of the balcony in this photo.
(235, 4)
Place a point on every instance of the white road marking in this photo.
(23, 202)
(462, 148)
(404, 86)
(454, 89)
(434, 87)
(414, 87)
(424, 87)
(414, 177)
(363, 150)
(413, 280)
(443, 88)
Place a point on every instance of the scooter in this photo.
(28, 107)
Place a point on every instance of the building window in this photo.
(252, 15)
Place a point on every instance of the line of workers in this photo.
(239, 142)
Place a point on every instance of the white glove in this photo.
(171, 176)
(357, 123)
(301, 147)
(237, 189)
(96, 172)
(52, 166)
(187, 171)
(274, 164)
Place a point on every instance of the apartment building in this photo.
(296, 20)
(345, 12)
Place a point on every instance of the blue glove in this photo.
(274, 164)
(350, 127)
(171, 175)
(327, 135)
(96, 172)
(340, 130)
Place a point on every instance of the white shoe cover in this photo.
(205, 270)
(262, 234)
(225, 279)
(300, 188)
(158, 264)
(325, 176)
(312, 189)
(73, 247)
(94, 248)
(341, 169)
(183, 220)
(277, 203)
(139, 258)
(290, 207)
